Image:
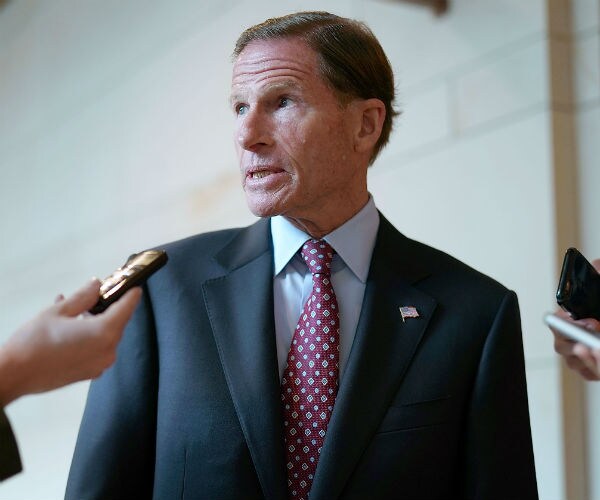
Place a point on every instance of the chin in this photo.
(262, 209)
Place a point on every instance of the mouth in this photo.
(261, 173)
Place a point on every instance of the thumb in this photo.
(119, 313)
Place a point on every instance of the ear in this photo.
(370, 115)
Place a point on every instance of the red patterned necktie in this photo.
(310, 381)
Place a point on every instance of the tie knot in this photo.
(318, 254)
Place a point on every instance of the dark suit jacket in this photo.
(10, 462)
(434, 407)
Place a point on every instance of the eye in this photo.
(284, 102)
(240, 109)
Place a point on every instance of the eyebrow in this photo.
(271, 88)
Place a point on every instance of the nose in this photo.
(253, 130)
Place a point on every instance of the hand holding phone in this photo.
(138, 268)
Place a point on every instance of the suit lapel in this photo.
(382, 350)
(240, 308)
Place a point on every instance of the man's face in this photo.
(293, 138)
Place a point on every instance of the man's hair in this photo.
(351, 59)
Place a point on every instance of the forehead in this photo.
(270, 61)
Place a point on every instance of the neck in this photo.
(318, 227)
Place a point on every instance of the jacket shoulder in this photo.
(432, 269)
(209, 242)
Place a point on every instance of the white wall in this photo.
(586, 42)
(115, 135)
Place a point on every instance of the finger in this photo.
(561, 313)
(119, 313)
(82, 300)
(575, 364)
(588, 375)
(596, 264)
(589, 324)
(562, 345)
(584, 354)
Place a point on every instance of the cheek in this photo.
(294, 140)
(329, 145)
(313, 144)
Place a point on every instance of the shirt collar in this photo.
(353, 241)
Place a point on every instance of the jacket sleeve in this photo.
(10, 462)
(498, 449)
(115, 450)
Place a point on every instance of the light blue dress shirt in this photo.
(292, 283)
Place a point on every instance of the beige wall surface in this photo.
(586, 41)
(115, 135)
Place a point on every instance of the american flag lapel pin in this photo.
(408, 312)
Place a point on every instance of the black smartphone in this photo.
(579, 287)
(138, 268)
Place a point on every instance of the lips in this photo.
(262, 172)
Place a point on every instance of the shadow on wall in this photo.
(4, 3)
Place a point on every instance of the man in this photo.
(57, 348)
(403, 377)
(578, 357)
